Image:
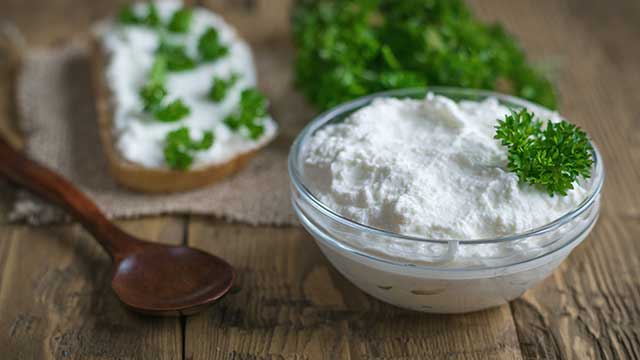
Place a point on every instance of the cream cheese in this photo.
(139, 137)
(429, 168)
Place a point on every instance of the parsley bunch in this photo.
(350, 48)
(179, 148)
(248, 118)
(551, 158)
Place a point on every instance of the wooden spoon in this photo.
(151, 278)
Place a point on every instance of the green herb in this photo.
(220, 87)
(128, 16)
(210, 47)
(158, 73)
(550, 158)
(176, 55)
(154, 91)
(181, 20)
(153, 18)
(248, 118)
(174, 111)
(350, 48)
(152, 95)
(179, 147)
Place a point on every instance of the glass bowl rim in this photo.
(327, 116)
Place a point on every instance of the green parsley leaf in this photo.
(551, 158)
(250, 114)
(152, 95)
(181, 20)
(153, 18)
(351, 48)
(210, 47)
(176, 55)
(220, 87)
(154, 91)
(179, 147)
(174, 111)
(158, 73)
(128, 16)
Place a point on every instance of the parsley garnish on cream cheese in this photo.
(220, 87)
(181, 20)
(210, 47)
(175, 48)
(248, 117)
(550, 158)
(179, 147)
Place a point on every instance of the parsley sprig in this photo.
(221, 87)
(176, 55)
(210, 47)
(550, 157)
(179, 148)
(172, 112)
(350, 48)
(250, 114)
(129, 16)
(181, 20)
(154, 92)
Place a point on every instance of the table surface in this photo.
(55, 300)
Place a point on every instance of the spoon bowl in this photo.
(170, 280)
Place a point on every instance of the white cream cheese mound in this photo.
(429, 168)
(131, 50)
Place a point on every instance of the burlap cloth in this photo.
(55, 102)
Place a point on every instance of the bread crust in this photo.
(137, 177)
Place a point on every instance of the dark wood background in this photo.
(55, 301)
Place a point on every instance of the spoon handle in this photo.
(56, 189)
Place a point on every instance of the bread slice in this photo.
(138, 177)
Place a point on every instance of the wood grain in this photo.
(290, 303)
(256, 20)
(55, 299)
(9, 64)
(589, 309)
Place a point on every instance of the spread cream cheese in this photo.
(131, 52)
(429, 168)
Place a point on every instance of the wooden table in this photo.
(55, 300)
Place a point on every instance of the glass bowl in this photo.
(434, 275)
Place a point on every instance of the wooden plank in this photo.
(256, 20)
(9, 61)
(590, 308)
(56, 301)
(56, 22)
(5, 233)
(291, 304)
(10, 53)
(67, 19)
